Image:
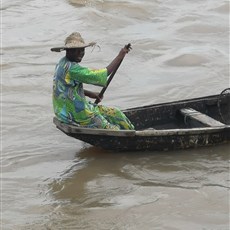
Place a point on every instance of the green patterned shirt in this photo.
(69, 103)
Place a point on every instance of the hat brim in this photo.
(59, 49)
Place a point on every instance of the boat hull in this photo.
(161, 142)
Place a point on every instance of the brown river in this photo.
(50, 181)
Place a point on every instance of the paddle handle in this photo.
(100, 95)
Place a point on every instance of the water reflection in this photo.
(120, 190)
(98, 175)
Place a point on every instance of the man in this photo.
(69, 102)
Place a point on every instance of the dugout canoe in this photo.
(183, 124)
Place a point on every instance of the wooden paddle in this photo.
(110, 78)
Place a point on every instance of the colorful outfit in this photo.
(70, 105)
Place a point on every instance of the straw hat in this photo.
(73, 41)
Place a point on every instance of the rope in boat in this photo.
(222, 94)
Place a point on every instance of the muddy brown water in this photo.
(51, 181)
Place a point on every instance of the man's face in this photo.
(77, 54)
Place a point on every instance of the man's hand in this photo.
(125, 50)
(93, 95)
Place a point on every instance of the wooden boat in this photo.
(181, 124)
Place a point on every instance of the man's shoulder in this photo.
(62, 60)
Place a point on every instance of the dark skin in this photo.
(76, 55)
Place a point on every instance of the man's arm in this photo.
(116, 61)
(92, 95)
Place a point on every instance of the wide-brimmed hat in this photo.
(73, 41)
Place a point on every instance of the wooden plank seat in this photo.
(197, 119)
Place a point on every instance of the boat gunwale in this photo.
(71, 129)
(211, 97)
(180, 132)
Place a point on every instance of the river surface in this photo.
(51, 181)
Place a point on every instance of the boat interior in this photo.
(211, 111)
